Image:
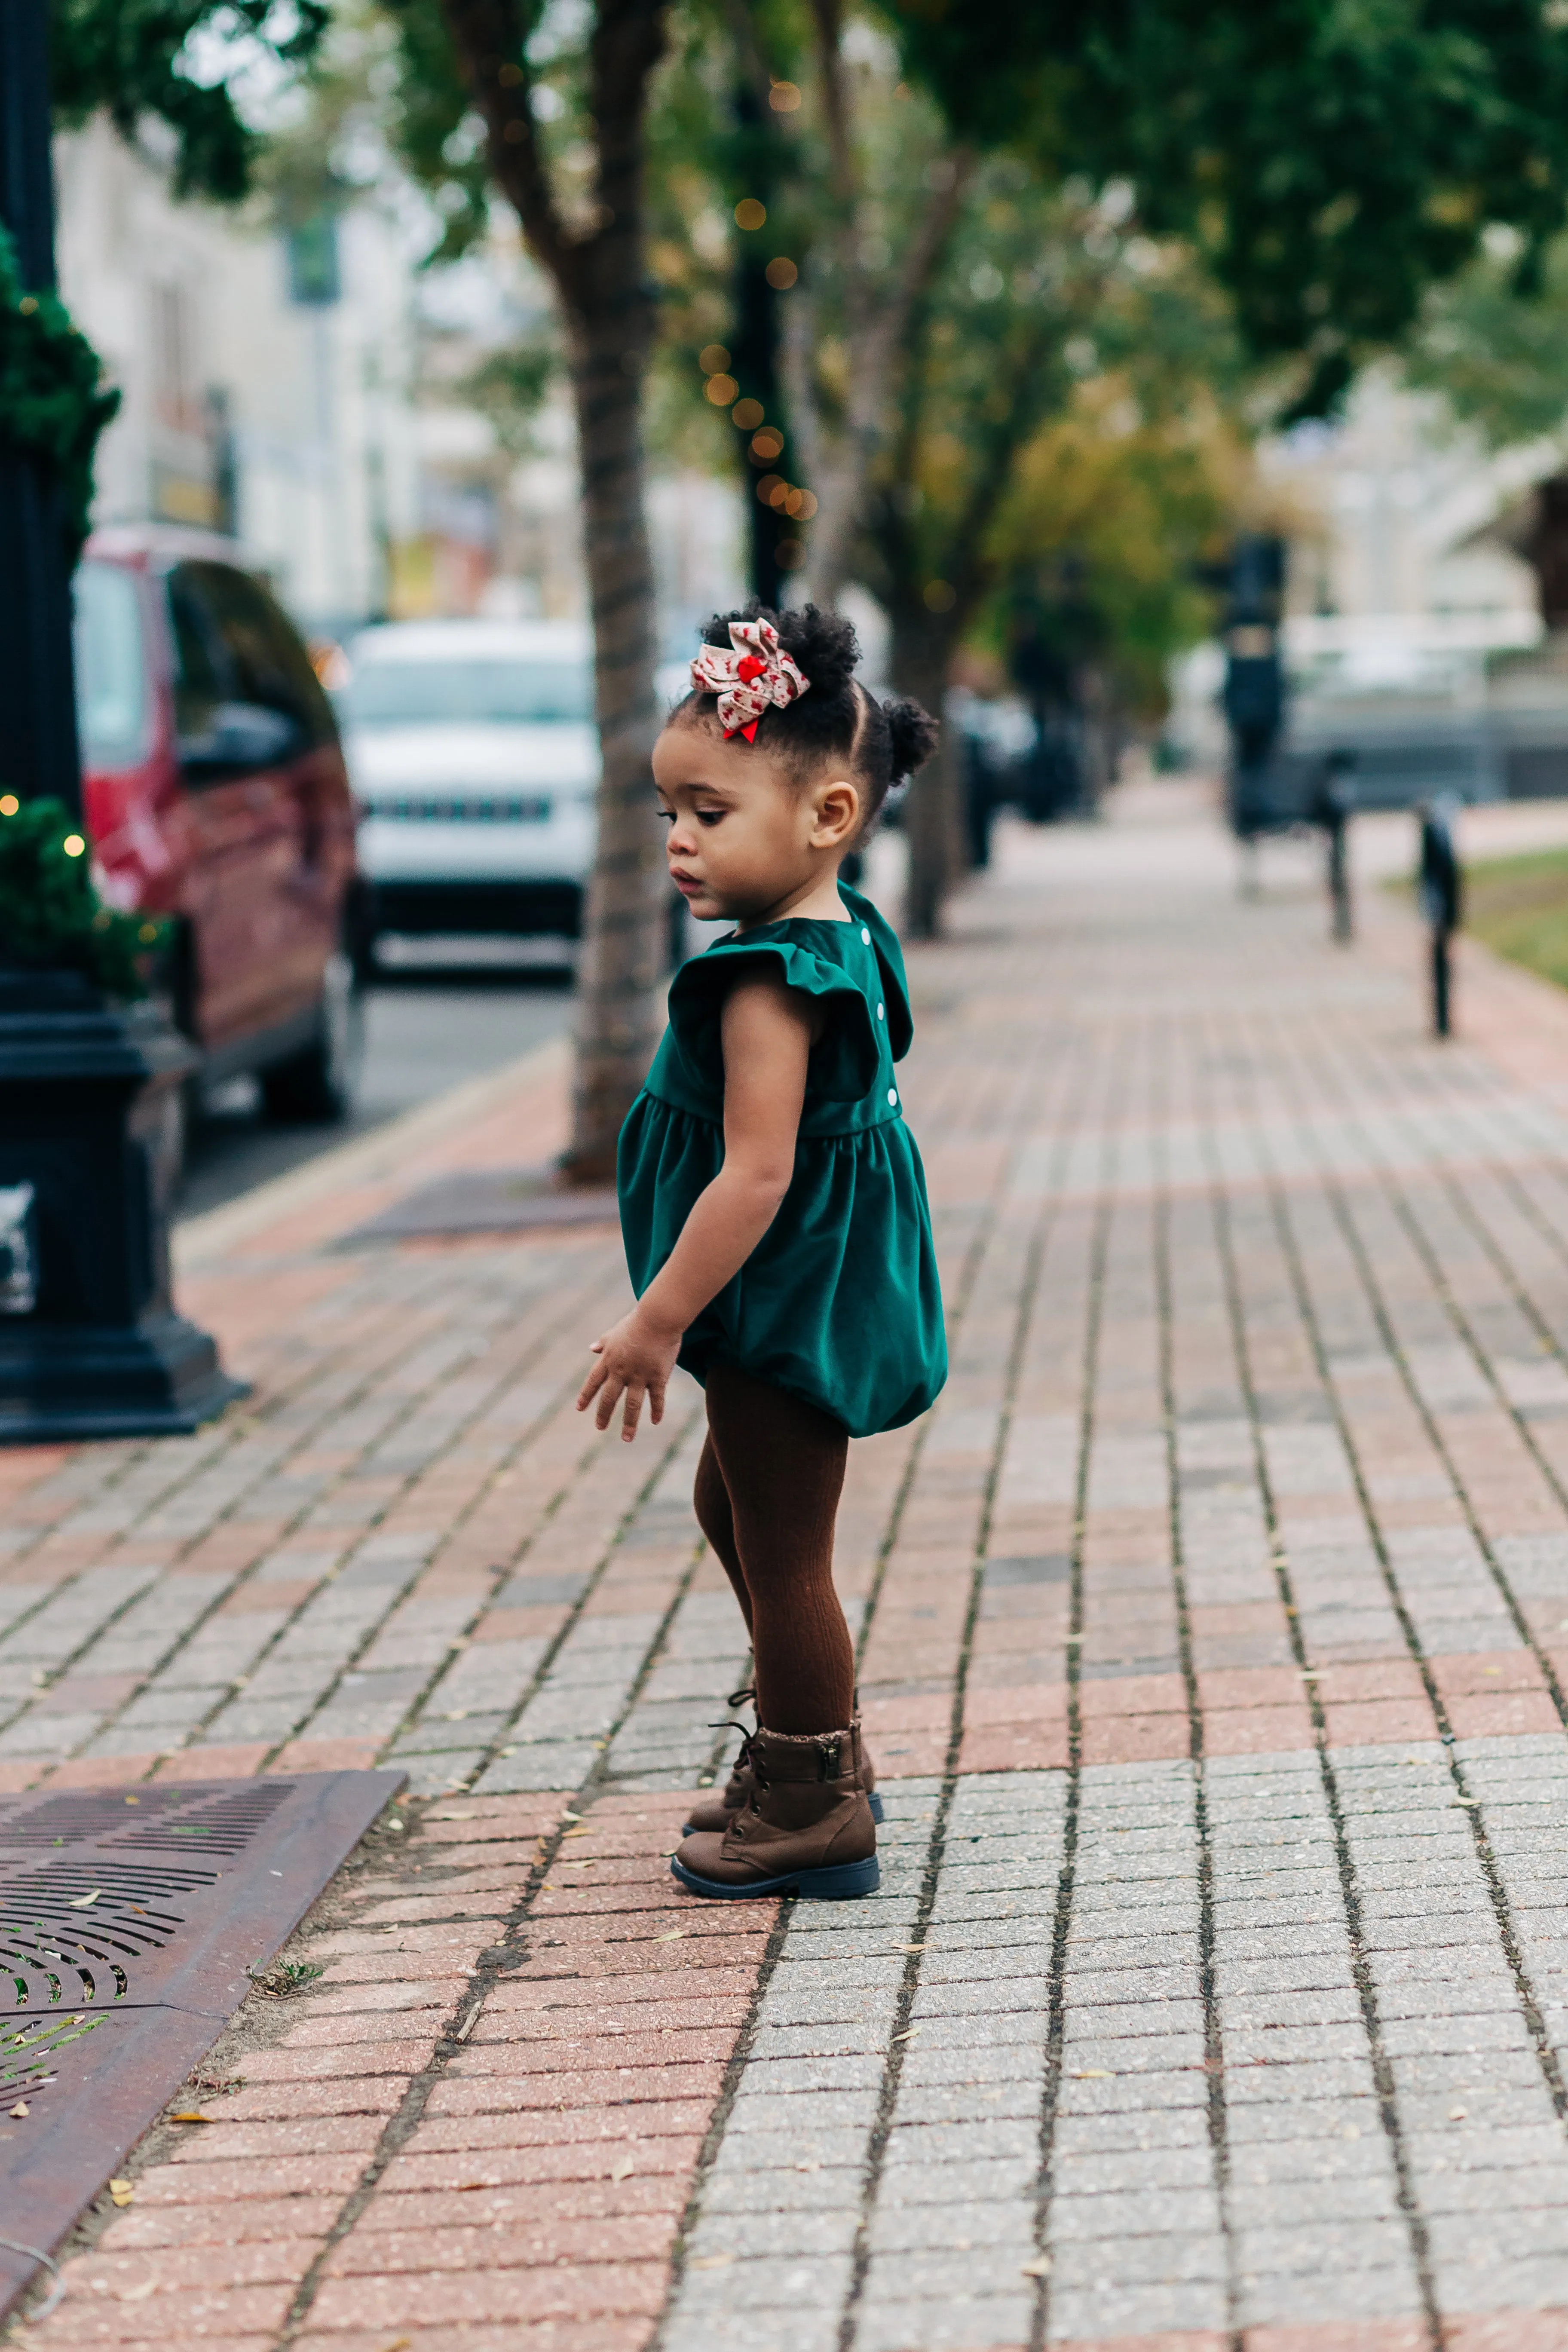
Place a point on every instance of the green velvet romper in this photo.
(839, 1303)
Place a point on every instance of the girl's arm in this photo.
(766, 1031)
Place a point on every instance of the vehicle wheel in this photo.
(359, 935)
(319, 1082)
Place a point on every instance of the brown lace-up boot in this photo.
(716, 1812)
(806, 1825)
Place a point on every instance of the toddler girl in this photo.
(775, 1209)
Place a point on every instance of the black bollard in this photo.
(1441, 897)
(1336, 800)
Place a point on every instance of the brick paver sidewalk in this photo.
(1214, 1638)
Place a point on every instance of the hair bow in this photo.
(748, 674)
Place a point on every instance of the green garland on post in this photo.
(52, 917)
(53, 402)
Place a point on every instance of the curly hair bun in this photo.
(836, 720)
(822, 645)
(913, 734)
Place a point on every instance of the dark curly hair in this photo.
(880, 743)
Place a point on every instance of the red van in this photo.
(216, 793)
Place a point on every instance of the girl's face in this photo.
(746, 841)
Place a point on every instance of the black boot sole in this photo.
(838, 1884)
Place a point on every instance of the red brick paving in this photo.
(548, 2136)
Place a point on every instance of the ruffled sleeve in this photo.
(844, 1061)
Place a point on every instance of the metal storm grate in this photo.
(128, 1921)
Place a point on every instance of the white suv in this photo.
(472, 748)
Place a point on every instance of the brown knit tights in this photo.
(767, 1493)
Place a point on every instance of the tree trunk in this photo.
(624, 936)
(598, 266)
(920, 659)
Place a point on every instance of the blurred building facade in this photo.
(1393, 512)
(1420, 634)
(307, 393)
(264, 380)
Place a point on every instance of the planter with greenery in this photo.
(51, 918)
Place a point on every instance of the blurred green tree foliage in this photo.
(174, 60)
(508, 388)
(1070, 435)
(1049, 346)
(1329, 159)
(1498, 358)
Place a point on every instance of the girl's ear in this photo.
(837, 814)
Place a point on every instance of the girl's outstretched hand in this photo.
(637, 1358)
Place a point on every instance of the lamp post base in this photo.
(90, 1345)
(161, 1381)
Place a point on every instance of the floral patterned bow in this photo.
(748, 675)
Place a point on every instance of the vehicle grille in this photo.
(477, 809)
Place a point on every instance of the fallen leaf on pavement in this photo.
(1458, 2114)
(85, 1902)
(1041, 2269)
(712, 2262)
(140, 2293)
(623, 2167)
(20, 2109)
(1091, 2074)
(189, 2116)
(122, 2192)
(670, 1935)
(912, 1948)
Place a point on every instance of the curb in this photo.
(384, 1153)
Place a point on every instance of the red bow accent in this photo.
(750, 676)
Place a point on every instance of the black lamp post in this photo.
(35, 574)
(90, 1343)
